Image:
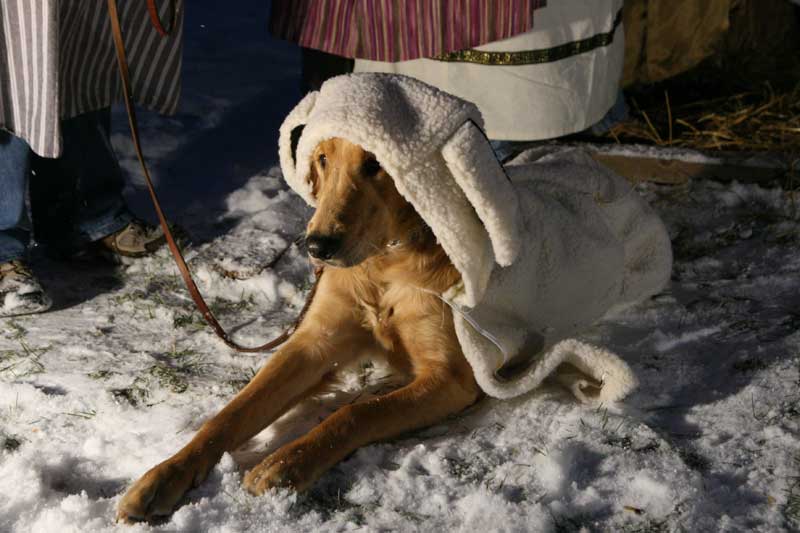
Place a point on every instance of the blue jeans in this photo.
(74, 199)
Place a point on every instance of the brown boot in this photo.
(137, 239)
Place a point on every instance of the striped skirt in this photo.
(57, 60)
(387, 30)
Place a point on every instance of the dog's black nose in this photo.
(323, 246)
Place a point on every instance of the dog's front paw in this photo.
(158, 491)
(287, 467)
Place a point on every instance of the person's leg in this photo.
(14, 170)
(318, 66)
(505, 151)
(20, 291)
(618, 113)
(77, 198)
(88, 152)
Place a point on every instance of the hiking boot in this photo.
(137, 239)
(20, 291)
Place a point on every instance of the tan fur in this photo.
(374, 297)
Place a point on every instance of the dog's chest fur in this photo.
(377, 302)
(393, 294)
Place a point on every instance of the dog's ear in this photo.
(312, 179)
(291, 132)
(294, 139)
(472, 162)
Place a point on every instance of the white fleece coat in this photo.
(545, 246)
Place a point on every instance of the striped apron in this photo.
(57, 61)
(388, 30)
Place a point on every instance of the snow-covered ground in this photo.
(122, 372)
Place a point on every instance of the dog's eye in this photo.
(370, 167)
(323, 160)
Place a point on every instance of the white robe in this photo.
(540, 99)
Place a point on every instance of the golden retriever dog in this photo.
(379, 295)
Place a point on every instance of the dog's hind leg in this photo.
(425, 401)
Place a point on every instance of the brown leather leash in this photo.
(176, 253)
(155, 18)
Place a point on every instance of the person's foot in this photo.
(20, 291)
(137, 239)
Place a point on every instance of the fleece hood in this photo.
(415, 130)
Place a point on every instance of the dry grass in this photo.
(760, 120)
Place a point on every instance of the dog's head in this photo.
(453, 180)
(359, 212)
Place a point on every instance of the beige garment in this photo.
(664, 38)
